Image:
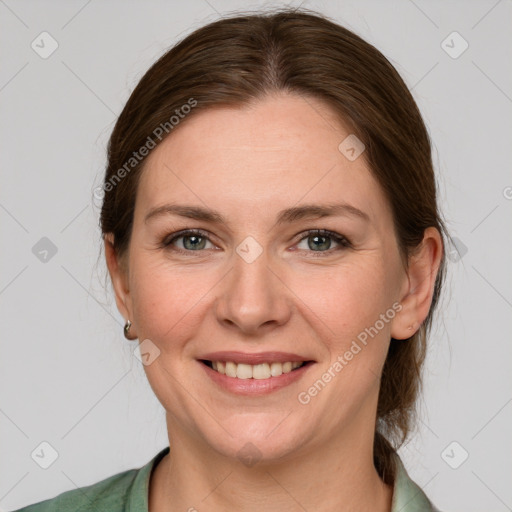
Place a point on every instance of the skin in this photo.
(249, 164)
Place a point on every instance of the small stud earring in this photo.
(126, 331)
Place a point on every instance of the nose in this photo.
(253, 297)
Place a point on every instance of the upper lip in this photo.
(255, 358)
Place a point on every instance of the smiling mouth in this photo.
(256, 371)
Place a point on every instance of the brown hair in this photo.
(237, 60)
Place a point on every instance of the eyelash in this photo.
(343, 242)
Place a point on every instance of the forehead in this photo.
(274, 153)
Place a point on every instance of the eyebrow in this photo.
(289, 215)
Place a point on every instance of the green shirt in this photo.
(128, 492)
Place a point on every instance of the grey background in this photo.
(68, 376)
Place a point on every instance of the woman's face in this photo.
(258, 282)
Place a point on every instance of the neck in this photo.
(338, 477)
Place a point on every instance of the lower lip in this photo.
(255, 387)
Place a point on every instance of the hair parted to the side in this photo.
(235, 61)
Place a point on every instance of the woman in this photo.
(274, 242)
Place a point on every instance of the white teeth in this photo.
(230, 369)
(244, 371)
(257, 371)
(276, 369)
(261, 371)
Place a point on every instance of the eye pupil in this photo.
(195, 244)
(325, 244)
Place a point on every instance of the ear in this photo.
(119, 275)
(418, 289)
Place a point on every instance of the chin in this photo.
(257, 438)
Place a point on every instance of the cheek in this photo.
(166, 299)
(347, 299)
(344, 308)
(347, 304)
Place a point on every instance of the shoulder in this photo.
(109, 494)
(127, 490)
(407, 495)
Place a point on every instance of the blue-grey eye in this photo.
(190, 241)
(317, 242)
(320, 241)
(194, 242)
